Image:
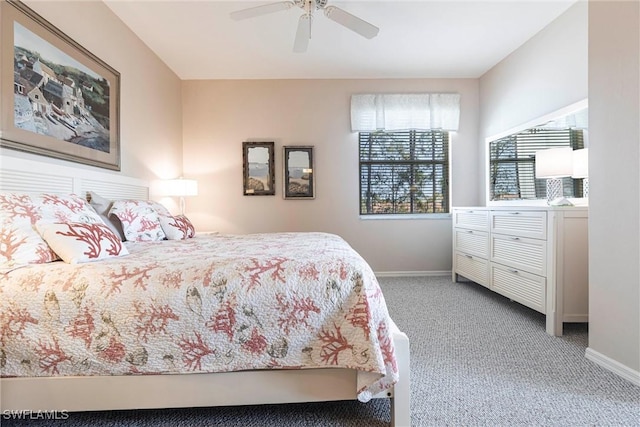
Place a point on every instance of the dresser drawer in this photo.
(473, 268)
(527, 289)
(471, 219)
(472, 242)
(520, 253)
(520, 223)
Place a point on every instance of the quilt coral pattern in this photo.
(213, 303)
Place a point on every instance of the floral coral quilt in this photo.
(214, 303)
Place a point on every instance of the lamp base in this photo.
(554, 189)
(585, 188)
(560, 201)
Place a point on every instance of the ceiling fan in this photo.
(303, 34)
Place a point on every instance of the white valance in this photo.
(371, 112)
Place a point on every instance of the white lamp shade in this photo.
(580, 163)
(554, 162)
(180, 187)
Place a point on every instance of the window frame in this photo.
(413, 138)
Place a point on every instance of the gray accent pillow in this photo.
(102, 207)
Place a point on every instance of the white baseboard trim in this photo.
(411, 273)
(613, 366)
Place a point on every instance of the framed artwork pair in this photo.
(259, 170)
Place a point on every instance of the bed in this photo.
(209, 321)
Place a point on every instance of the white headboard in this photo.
(30, 176)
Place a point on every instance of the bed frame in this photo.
(97, 393)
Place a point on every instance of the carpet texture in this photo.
(477, 359)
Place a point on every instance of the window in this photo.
(404, 172)
(512, 163)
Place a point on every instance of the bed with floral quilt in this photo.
(82, 300)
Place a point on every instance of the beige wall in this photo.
(614, 181)
(219, 115)
(150, 97)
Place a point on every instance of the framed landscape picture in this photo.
(58, 99)
(258, 169)
(299, 182)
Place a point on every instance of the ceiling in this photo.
(418, 38)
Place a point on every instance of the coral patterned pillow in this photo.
(19, 242)
(140, 221)
(64, 208)
(78, 242)
(177, 228)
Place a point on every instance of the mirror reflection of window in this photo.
(512, 158)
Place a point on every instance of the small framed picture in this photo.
(299, 174)
(258, 169)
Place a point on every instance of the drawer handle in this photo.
(514, 271)
(515, 238)
(514, 213)
(470, 231)
(469, 256)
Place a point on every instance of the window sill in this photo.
(406, 216)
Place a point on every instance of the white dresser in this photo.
(537, 256)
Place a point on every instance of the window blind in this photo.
(404, 172)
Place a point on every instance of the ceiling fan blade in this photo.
(351, 22)
(264, 9)
(303, 34)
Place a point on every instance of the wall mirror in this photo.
(258, 169)
(512, 160)
(299, 182)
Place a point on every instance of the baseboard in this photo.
(611, 365)
(411, 273)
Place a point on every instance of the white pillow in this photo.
(78, 242)
(177, 227)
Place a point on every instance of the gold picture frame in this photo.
(58, 99)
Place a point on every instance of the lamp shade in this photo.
(554, 162)
(580, 163)
(180, 187)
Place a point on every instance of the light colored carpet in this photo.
(477, 359)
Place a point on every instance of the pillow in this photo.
(160, 209)
(19, 242)
(140, 222)
(102, 207)
(77, 242)
(177, 228)
(64, 208)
